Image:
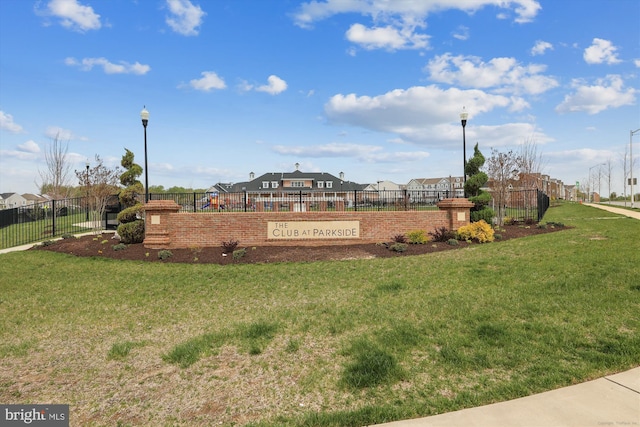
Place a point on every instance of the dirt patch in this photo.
(103, 246)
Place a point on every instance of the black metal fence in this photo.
(42, 221)
(45, 220)
(523, 205)
(355, 200)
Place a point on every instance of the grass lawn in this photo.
(343, 343)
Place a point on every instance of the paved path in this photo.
(610, 401)
(613, 209)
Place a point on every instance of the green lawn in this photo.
(343, 343)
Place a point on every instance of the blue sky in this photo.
(371, 88)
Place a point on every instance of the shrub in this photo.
(131, 214)
(47, 243)
(486, 214)
(164, 254)
(479, 231)
(400, 238)
(230, 246)
(442, 234)
(239, 253)
(398, 247)
(68, 236)
(453, 242)
(119, 247)
(417, 237)
(131, 232)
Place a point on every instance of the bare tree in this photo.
(55, 179)
(102, 184)
(608, 174)
(502, 169)
(530, 164)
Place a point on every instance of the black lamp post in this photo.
(87, 165)
(144, 115)
(463, 120)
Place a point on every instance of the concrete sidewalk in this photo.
(610, 401)
(613, 209)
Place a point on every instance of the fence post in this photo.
(245, 200)
(53, 217)
(355, 200)
(194, 201)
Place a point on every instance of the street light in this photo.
(87, 165)
(144, 115)
(631, 160)
(463, 120)
(591, 192)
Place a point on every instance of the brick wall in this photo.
(167, 228)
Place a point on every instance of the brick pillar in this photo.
(157, 223)
(458, 212)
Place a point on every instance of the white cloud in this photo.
(505, 75)
(360, 152)
(73, 15)
(409, 12)
(275, 85)
(606, 93)
(86, 64)
(7, 123)
(636, 62)
(386, 37)
(185, 18)
(541, 47)
(29, 147)
(210, 80)
(394, 23)
(461, 33)
(601, 51)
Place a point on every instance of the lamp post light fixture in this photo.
(87, 202)
(631, 160)
(144, 115)
(463, 120)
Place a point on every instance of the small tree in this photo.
(131, 227)
(101, 183)
(473, 188)
(55, 179)
(502, 171)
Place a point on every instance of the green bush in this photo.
(399, 247)
(453, 242)
(131, 232)
(131, 214)
(239, 253)
(417, 237)
(164, 254)
(485, 214)
(119, 247)
(68, 236)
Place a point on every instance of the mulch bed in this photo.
(102, 246)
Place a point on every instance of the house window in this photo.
(297, 184)
(329, 184)
(320, 184)
(274, 184)
(265, 184)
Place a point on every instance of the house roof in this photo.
(256, 184)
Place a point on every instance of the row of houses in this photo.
(452, 186)
(15, 200)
